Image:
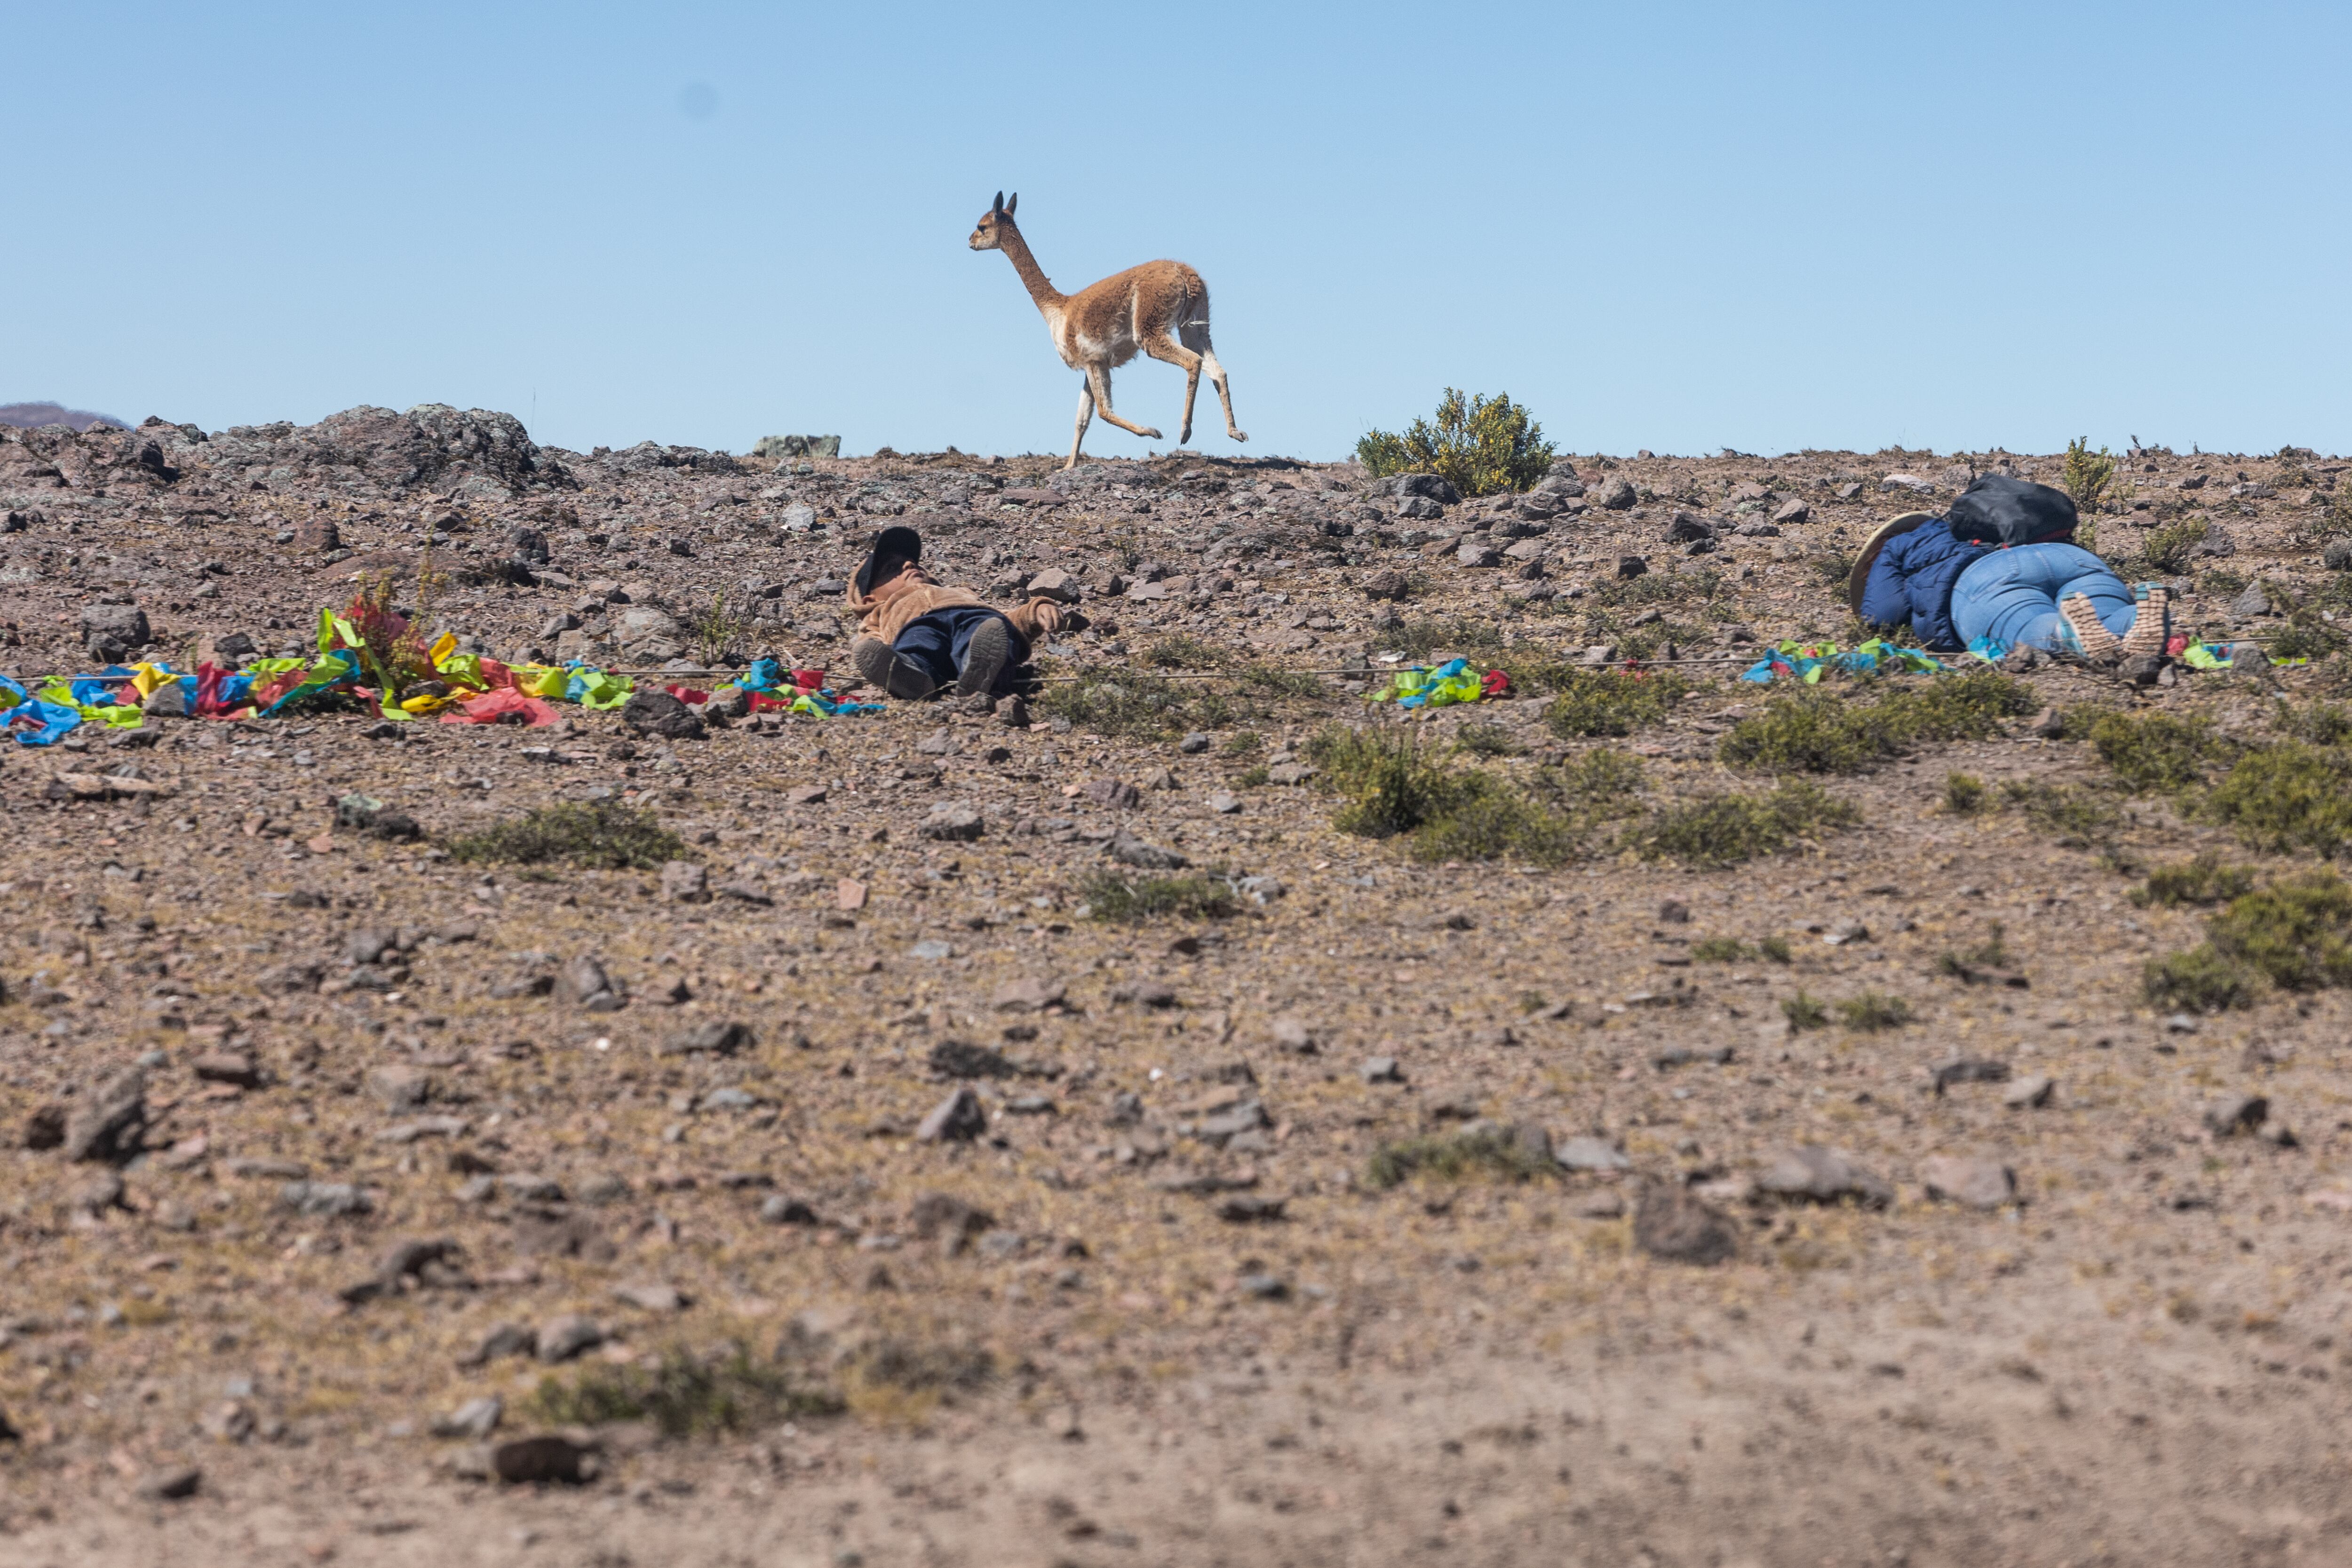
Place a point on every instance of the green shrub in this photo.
(1776, 948)
(1284, 683)
(1814, 731)
(1487, 740)
(1491, 821)
(1612, 702)
(2158, 753)
(2319, 722)
(1728, 828)
(1245, 743)
(1719, 950)
(2074, 816)
(2205, 880)
(681, 1393)
(1183, 652)
(1484, 444)
(2295, 935)
(2088, 474)
(1803, 1012)
(2172, 550)
(1494, 1152)
(2305, 636)
(1111, 896)
(1874, 1010)
(1992, 953)
(1132, 705)
(1417, 640)
(1393, 785)
(600, 834)
(1964, 795)
(2288, 797)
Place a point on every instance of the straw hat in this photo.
(1860, 576)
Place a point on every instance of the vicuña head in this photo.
(1160, 308)
(989, 235)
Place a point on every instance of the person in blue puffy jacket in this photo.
(2002, 565)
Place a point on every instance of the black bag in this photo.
(1999, 511)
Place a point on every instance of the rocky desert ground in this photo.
(1045, 1132)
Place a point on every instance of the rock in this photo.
(961, 1058)
(1054, 583)
(1820, 1175)
(658, 713)
(399, 1087)
(1589, 1154)
(1794, 512)
(97, 1195)
(956, 1119)
(653, 1298)
(797, 446)
(2047, 724)
(1381, 1069)
(108, 1122)
(570, 1334)
(325, 1200)
(1248, 1208)
(1194, 744)
(1619, 496)
(684, 881)
(1972, 1183)
(123, 624)
(1114, 793)
(1027, 996)
(1967, 1070)
(954, 823)
(1630, 566)
(1428, 485)
(2217, 544)
(717, 1038)
(475, 1419)
(1675, 1224)
(172, 1484)
(1474, 554)
(1145, 993)
(1674, 912)
(2029, 1093)
(1223, 805)
(2236, 1113)
(2252, 602)
(2337, 556)
(2145, 670)
(45, 1128)
(529, 1461)
(1129, 850)
(583, 983)
(779, 1210)
(1598, 1203)
(1291, 1034)
(505, 1340)
(169, 700)
(1911, 483)
(1389, 585)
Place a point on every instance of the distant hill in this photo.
(26, 416)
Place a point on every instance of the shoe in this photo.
(2091, 633)
(881, 665)
(984, 656)
(2151, 631)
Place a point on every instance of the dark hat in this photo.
(896, 544)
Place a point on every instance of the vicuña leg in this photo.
(1086, 414)
(1100, 379)
(1196, 338)
(1175, 354)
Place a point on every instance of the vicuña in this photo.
(1160, 307)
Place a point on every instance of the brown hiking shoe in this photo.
(883, 668)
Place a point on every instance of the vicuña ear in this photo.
(1000, 202)
(1012, 203)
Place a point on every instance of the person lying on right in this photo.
(2002, 564)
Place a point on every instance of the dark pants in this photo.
(938, 641)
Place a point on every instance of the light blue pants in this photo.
(2012, 596)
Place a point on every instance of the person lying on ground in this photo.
(2002, 565)
(917, 638)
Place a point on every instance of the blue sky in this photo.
(1678, 226)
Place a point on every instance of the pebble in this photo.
(1972, 1183)
(1589, 1153)
(1382, 1069)
(2236, 1113)
(1193, 744)
(1822, 1175)
(476, 1418)
(2029, 1093)
(654, 1298)
(325, 1200)
(505, 1340)
(1673, 1223)
(1129, 850)
(570, 1334)
(172, 1484)
(959, 1118)
(953, 822)
(538, 1460)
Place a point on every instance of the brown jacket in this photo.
(912, 595)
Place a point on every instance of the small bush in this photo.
(2320, 723)
(2158, 753)
(1394, 784)
(2172, 550)
(2088, 474)
(2287, 798)
(1600, 779)
(1129, 899)
(1874, 1010)
(1719, 950)
(1776, 948)
(2305, 636)
(1964, 795)
(600, 835)
(1804, 1011)
(2294, 934)
(2205, 880)
(1284, 683)
(1255, 778)
(1395, 787)
(1729, 829)
(2075, 817)
(1459, 1156)
(1482, 444)
(1818, 732)
(1491, 821)
(1183, 652)
(1133, 705)
(682, 1394)
(1612, 702)
(1487, 740)
(1245, 743)
(1992, 953)
(721, 631)
(1418, 640)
